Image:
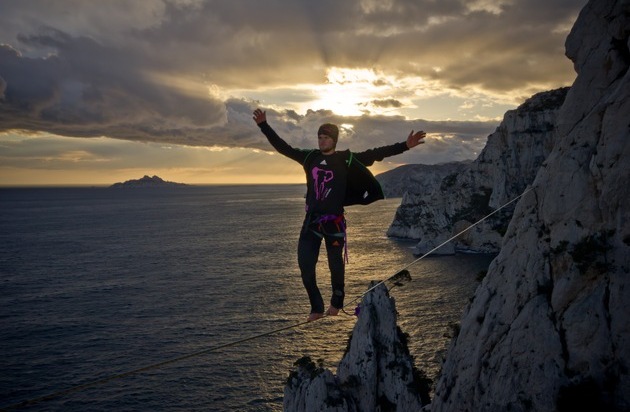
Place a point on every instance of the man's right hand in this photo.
(260, 116)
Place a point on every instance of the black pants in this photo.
(308, 253)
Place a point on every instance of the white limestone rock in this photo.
(312, 388)
(417, 178)
(376, 372)
(549, 326)
(432, 214)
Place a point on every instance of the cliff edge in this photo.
(549, 326)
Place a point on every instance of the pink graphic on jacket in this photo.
(320, 178)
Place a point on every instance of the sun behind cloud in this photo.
(356, 91)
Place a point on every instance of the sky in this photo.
(93, 93)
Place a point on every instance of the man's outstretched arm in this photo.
(377, 154)
(260, 117)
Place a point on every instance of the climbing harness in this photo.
(340, 225)
(397, 278)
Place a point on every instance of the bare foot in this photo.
(332, 311)
(314, 316)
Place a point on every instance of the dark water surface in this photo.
(95, 282)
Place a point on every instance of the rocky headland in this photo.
(146, 182)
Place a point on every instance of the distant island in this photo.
(146, 181)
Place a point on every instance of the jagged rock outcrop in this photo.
(417, 178)
(549, 326)
(507, 164)
(375, 373)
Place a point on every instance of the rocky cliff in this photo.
(549, 326)
(375, 373)
(417, 178)
(452, 198)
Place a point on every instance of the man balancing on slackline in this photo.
(334, 179)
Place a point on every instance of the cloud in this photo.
(88, 89)
(387, 103)
(143, 71)
(3, 87)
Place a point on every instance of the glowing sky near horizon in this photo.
(99, 92)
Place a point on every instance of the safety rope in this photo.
(402, 273)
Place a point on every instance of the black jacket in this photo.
(362, 187)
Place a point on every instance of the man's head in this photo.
(331, 131)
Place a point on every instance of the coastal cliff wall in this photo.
(549, 327)
(454, 196)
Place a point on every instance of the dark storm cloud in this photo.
(88, 89)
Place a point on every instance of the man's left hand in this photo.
(415, 139)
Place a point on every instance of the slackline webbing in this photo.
(440, 245)
(110, 378)
(104, 380)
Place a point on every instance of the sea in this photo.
(190, 298)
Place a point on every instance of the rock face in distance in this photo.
(146, 181)
(417, 178)
(549, 327)
(446, 205)
(376, 372)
